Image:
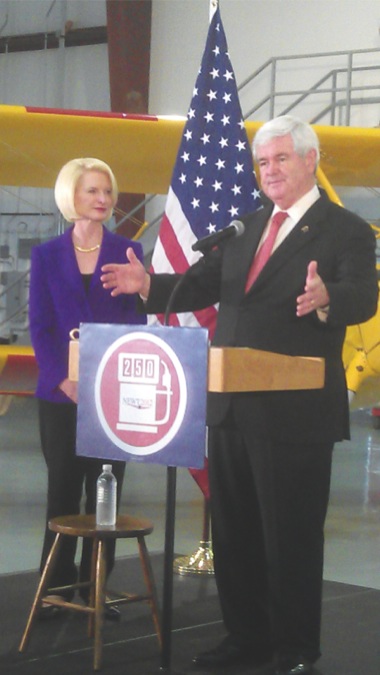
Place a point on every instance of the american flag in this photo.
(213, 179)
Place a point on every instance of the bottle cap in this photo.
(107, 467)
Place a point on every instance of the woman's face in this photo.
(93, 196)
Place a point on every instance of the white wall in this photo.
(18, 17)
(72, 78)
(256, 30)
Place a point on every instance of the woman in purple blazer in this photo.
(65, 290)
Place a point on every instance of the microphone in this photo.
(235, 229)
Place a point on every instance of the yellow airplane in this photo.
(142, 149)
(35, 142)
(18, 374)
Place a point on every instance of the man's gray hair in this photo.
(303, 135)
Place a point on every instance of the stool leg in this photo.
(41, 590)
(149, 582)
(100, 582)
(91, 600)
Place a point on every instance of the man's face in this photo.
(285, 176)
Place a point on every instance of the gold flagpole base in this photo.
(200, 562)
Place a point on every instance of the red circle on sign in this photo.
(140, 393)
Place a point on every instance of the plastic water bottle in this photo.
(106, 497)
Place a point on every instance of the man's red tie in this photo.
(263, 254)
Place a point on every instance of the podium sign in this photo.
(142, 394)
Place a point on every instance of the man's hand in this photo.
(316, 295)
(128, 278)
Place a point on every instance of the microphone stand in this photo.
(171, 486)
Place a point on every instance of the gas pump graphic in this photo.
(144, 392)
(140, 391)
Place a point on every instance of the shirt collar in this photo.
(297, 210)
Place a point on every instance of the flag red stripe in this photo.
(172, 247)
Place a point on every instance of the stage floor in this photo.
(351, 609)
(351, 620)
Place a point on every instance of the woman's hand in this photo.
(70, 388)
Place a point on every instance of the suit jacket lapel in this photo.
(303, 232)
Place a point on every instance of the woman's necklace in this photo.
(86, 250)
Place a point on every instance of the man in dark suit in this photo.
(270, 453)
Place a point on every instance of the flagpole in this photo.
(212, 9)
(201, 562)
(167, 602)
(204, 196)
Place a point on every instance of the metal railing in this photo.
(271, 100)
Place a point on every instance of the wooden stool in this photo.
(127, 527)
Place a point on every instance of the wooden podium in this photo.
(234, 369)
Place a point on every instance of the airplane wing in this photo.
(36, 142)
(141, 149)
(18, 370)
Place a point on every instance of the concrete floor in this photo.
(352, 528)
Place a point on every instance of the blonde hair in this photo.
(67, 182)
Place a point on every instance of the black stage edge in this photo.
(351, 621)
